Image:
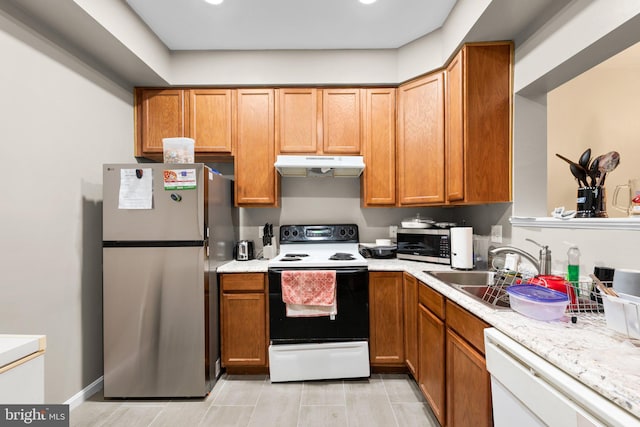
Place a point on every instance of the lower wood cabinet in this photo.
(410, 311)
(431, 348)
(386, 343)
(244, 323)
(468, 381)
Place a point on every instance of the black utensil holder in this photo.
(591, 202)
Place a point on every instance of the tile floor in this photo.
(252, 400)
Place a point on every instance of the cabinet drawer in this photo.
(242, 282)
(431, 300)
(466, 325)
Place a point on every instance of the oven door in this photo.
(350, 324)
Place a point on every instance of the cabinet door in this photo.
(243, 329)
(478, 124)
(421, 141)
(379, 150)
(211, 119)
(487, 122)
(163, 113)
(341, 121)
(410, 296)
(455, 129)
(431, 371)
(297, 117)
(256, 179)
(468, 385)
(385, 313)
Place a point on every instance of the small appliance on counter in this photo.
(424, 244)
(381, 249)
(243, 250)
(461, 247)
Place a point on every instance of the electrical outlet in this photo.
(393, 231)
(496, 233)
(260, 232)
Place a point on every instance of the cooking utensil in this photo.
(577, 170)
(585, 158)
(608, 162)
(571, 162)
(602, 287)
(579, 174)
(594, 170)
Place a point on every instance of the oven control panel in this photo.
(340, 233)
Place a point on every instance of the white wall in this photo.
(60, 121)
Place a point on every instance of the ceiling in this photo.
(290, 24)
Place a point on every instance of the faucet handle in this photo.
(545, 257)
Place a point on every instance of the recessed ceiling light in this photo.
(216, 1)
(367, 1)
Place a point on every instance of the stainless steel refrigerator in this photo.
(166, 227)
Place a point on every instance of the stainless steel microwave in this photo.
(424, 244)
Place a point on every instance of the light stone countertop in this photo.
(600, 358)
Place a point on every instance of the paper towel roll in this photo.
(461, 248)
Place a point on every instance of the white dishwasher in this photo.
(529, 391)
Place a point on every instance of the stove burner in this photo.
(341, 256)
(295, 255)
(290, 258)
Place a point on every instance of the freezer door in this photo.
(154, 322)
(175, 214)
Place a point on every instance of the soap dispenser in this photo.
(573, 263)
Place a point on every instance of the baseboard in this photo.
(84, 394)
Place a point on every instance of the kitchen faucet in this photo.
(542, 265)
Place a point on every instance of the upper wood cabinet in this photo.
(159, 113)
(206, 115)
(478, 124)
(420, 143)
(297, 112)
(211, 119)
(379, 147)
(386, 319)
(318, 121)
(341, 121)
(256, 180)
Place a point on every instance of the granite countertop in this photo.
(600, 358)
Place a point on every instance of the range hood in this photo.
(318, 165)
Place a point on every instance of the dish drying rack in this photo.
(585, 298)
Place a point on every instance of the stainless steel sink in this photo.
(464, 278)
(479, 285)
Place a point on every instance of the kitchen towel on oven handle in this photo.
(309, 293)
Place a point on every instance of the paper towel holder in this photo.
(461, 248)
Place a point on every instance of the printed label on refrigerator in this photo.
(180, 179)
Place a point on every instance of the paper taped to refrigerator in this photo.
(136, 189)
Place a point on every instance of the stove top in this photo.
(318, 246)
